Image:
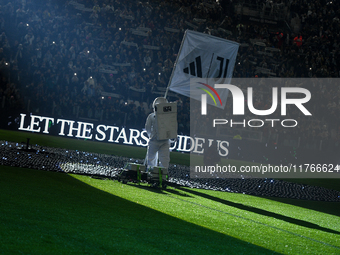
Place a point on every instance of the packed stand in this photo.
(107, 60)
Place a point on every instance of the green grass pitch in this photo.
(55, 213)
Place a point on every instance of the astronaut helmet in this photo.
(159, 100)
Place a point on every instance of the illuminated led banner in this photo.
(111, 134)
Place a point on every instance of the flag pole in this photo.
(174, 67)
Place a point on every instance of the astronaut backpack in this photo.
(166, 120)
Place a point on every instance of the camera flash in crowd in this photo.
(90, 77)
(75, 74)
(88, 51)
(103, 98)
(310, 68)
(6, 64)
(159, 73)
(53, 42)
(120, 28)
(27, 24)
(144, 69)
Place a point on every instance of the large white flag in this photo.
(203, 56)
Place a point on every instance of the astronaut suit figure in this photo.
(160, 128)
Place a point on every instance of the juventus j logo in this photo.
(221, 67)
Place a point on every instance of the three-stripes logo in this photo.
(204, 97)
(195, 68)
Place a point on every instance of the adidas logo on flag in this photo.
(195, 68)
(203, 56)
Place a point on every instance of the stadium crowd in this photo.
(107, 59)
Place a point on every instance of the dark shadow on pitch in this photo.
(149, 188)
(262, 212)
(176, 192)
(67, 204)
(159, 190)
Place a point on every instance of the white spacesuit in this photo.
(157, 148)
